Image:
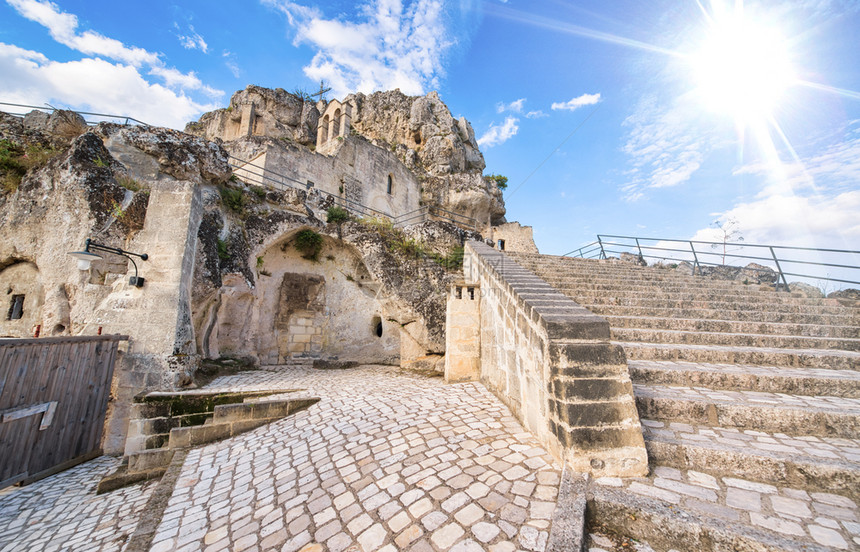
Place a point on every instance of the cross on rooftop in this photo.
(322, 91)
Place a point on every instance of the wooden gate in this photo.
(53, 398)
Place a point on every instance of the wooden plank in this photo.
(62, 339)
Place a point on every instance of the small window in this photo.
(16, 309)
(471, 294)
(390, 184)
(501, 245)
(459, 292)
(376, 325)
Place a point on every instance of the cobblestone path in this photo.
(63, 512)
(385, 461)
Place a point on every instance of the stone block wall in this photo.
(462, 334)
(551, 362)
(515, 237)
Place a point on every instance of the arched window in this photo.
(390, 184)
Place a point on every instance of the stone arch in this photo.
(323, 130)
(299, 308)
(335, 124)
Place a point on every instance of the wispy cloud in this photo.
(576, 103)
(94, 82)
(664, 144)
(393, 44)
(499, 134)
(537, 114)
(515, 106)
(230, 62)
(192, 40)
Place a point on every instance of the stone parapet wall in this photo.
(551, 362)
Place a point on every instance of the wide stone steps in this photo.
(742, 315)
(690, 510)
(851, 315)
(812, 463)
(720, 354)
(733, 326)
(648, 335)
(768, 379)
(754, 410)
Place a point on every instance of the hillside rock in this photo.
(276, 114)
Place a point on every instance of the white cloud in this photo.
(499, 134)
(665, 145)
(93, 83)
(395, 44)
(515, 106)
(538, 114)
(230, 62)
(576, 103)
(193, 40)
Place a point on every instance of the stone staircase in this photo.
(749, 400)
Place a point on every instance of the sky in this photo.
(653, 119)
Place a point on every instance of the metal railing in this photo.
(50, 109)
(255, 174)
(699, 254)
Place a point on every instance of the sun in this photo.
(742, 68)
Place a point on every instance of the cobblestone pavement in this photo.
(63, 512)
(827, 519)
(833, 448)
(385, 461)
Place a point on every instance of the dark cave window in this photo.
(16, 308)
(376, 326)
(390, 184)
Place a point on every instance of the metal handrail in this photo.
(608, 244)
(52, 109)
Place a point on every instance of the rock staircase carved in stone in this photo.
(750, 406)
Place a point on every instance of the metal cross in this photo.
(322, 91)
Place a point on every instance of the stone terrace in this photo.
(750, 404)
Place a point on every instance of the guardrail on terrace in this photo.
(255, 174)
(779, 258)
(50, 109)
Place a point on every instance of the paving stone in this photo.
(777, 524)
(469, 514)
(446, 536)
(744, 500)
(372, 538)
(433, 521)
(790, 506)
(408, 536)
(485, 532)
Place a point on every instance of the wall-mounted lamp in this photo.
(86, 257)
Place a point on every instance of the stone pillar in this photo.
(345, 120)
(246, 126)
(463, 334)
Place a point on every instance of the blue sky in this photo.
(622, 117)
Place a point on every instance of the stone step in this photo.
(721, 354)
(678, 294)
(767, 379)
(734, 326)
(646, 335)
(647, 301)
(691, 510)
(744, 315)
(814, 464)
(768, 412)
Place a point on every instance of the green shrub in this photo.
(234, 199)
(337, 215)
(223, 253)
(128, 183)
(452, 261)
(500, 181)
(16, 160)
(309, 244)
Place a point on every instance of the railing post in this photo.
(602, 251)
(695, 259)
(639, 247)
(779, 269)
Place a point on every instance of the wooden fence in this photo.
(53, 398)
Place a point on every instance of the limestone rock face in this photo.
(276, 114)
(441, 150)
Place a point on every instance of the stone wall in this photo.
(551, 362)
(515, 236)
(463, 333)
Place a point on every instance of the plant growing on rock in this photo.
(234, 199)
(500, 181)
(16, 160)
(336, 215)
(309, 244)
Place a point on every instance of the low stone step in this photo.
(733, 339)
(650, 302)
(769, 412)
(814, 464)
(721, 354)
(690, 510)
(746, 315)
(734, 326)
(767, 379)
